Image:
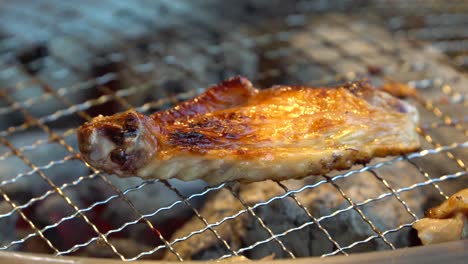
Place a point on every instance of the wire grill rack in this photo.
(352, 48)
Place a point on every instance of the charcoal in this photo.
(180, 46)
(31, 54)
(127, 247)
(52, 207)
(206, 246)
(149, 199)
(31, 184)
(26, 93)
(52, 210)
(252, 11)
(284, 214)
(238, 58)
(8, 224)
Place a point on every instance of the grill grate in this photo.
(338, 50)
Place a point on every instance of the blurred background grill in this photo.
(61, 63)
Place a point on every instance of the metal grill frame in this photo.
(120, 97)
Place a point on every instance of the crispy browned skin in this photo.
(236, 132)
(456, 203)
(399, 90)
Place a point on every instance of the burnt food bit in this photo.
(188, 138)
(118, 156)
(130, 126)
(114, 133)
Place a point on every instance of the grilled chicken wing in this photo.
(446, 221)
(236, 132)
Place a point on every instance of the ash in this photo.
(345, 227)
(62, 63)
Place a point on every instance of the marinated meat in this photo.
(236, 132)
(446, 221)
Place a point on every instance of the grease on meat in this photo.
(445, 222)
(236, 132)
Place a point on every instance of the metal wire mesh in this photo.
(351, 45)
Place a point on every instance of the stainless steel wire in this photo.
(63, 94)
